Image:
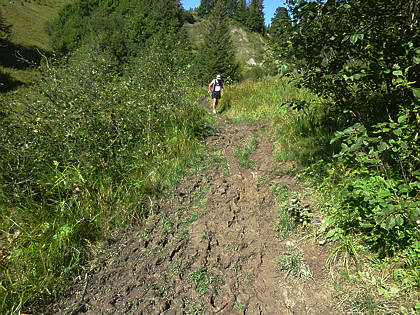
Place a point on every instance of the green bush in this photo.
(380, 198)
(82, 154)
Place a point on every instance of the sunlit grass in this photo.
(296, 134)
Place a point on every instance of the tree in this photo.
(279, 55)
(123, 27)
(230, 7)
(281, 25)
(358, 53)
(255, 20)
(205, 7)
(217, 55)
(241, 12)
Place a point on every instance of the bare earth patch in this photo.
(212, 247)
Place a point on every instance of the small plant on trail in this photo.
(191, 218)
(293, 263)
(176, 268)
(346, 251)
(193, 308)
(219, 159)
(283, 224)
(201, 280)
(239, 305)
(243, 154)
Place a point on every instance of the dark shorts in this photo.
(216, 94)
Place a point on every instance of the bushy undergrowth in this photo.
(84, 152)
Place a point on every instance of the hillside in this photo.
(249, 46)
(27, 20)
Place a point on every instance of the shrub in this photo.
(82, 153)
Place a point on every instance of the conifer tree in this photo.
(230, 7)
(205, 7)
(241, 12)
(255, 20)
(279, 54)
(217, 55)
(281, 25)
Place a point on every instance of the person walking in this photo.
(216, 87)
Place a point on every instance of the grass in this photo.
(295, 134)
(28, 21)
(284, 222)
(243, 153)
(293, 263)
(219, 159)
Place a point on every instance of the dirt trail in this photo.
(211, 248)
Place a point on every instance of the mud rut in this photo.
(211, 248)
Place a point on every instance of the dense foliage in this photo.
(122, 27)
(279, 56)
(250, 15)
(363, 59)
(83, 153)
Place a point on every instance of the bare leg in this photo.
(214, 105)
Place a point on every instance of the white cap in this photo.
(218, 77)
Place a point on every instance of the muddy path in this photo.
(212, 247)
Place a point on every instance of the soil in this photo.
(212, 247)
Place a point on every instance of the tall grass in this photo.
(83, 153)
(297, 133)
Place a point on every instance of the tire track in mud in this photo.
(211, 248)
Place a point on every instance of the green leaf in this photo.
(357, 144)
(366, 225)
(382, 146)
(388, 209)
(397, 132)
(397, 73)
(402, 118)
(345, 38)
(416, 60)
(399, 220)
(416, 92)
(389, 223)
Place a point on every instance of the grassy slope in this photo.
(248, 44)
(28, 22)
(28, 29)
